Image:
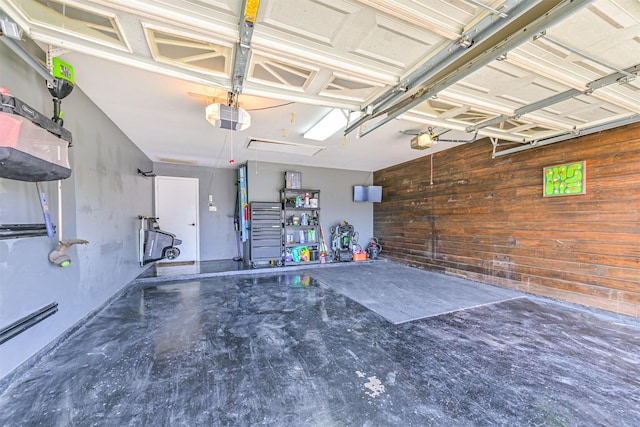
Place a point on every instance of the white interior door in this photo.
(177, 210)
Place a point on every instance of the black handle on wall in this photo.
(16, 231)
(26, 322)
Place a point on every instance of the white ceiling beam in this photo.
(563, 137)
(565, 77)
(224, 23)
(450, 53)
(122, 57)
(399, 10)
(559, 97)
(501, 113)
(460, 127)
(454, 112)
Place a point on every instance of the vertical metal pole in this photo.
(60, 238)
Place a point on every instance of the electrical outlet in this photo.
(213, 208)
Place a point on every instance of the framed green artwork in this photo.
(565, 180)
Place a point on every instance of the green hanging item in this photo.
(62, 85)
(62, 70)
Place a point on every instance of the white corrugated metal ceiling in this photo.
(517, 71)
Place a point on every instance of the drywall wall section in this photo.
(486, 219)
(265, 180)
(217, 232)
(101, 201)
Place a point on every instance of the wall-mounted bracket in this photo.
(18, 231)
(26, 322)
(149, 174)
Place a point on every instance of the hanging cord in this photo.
(215, 167)
(60, 235)
(231, 160)
(273, 106)
(232, 101)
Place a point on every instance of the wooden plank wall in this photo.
(485, 219)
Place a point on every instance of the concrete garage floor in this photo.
(284, 349)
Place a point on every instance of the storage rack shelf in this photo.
(301, 225)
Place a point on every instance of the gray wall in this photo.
(265, 180)
(217, 232)
(101, 202)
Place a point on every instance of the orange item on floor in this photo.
(360, 256)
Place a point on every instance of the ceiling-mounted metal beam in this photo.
(440, 60)
(563, 96)
(437, 122)
(569, 135)
(621, 76)
(10, 34)
(618, 76)
(241, 60)
(26, 57)
(485, 7)
(8, 27)
(546, 38)
(537, 18)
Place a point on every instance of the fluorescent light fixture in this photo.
(331, 123)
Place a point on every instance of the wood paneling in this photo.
(485, 219)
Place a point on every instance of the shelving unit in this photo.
(266, 234)
(301, 224)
